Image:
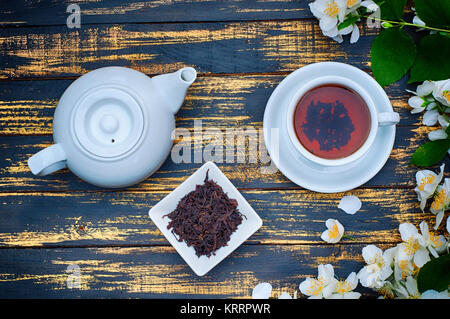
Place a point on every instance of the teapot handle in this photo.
(388, 118)
(48, 160)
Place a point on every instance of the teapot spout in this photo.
(173, 86)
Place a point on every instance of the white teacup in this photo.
(377, 119)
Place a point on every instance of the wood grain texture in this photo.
(23, 12)
(237, 47)
(159, 272)
(115, 218)
(16, 176)
(48, 223)
(226, 102)
(231, 101)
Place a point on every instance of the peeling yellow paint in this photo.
(40, 238)
(280, 210)
(287, 42)
(148, 276)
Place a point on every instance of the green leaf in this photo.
(432, 62)
(392, 55)
(391, 9)
(430, 153)
(435, 274)
(435, 13)
(349, 21)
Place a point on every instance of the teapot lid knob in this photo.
(109, 124)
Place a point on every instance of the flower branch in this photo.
(390, 23)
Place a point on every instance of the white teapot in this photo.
(112, 126)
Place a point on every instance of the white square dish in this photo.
(250, 223)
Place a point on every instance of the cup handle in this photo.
(48, 160)
(388, 118)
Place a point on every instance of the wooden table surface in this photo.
(242, 50)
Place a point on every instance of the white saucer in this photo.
(303, 172)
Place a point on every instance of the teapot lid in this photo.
(108, 121)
